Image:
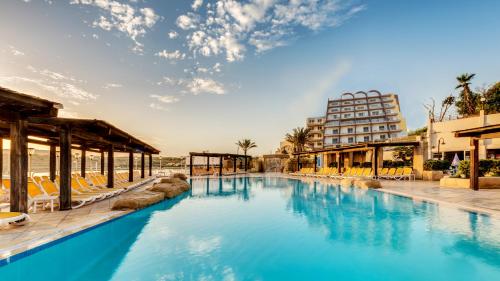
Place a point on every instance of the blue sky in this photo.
(198, 75)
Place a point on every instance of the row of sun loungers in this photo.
(214, 171)
(45, 193)
(404, 173)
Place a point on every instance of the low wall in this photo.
(484, 182)
(432, 175)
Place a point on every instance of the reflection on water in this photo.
(272, 228)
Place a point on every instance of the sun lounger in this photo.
(36, 196)
(51, 189)
(13, 217)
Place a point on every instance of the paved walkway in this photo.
(45, 227)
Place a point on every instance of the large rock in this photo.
(180, 176)
(182, 184)
(138, 200)
(168, 189)
(346, 182)
(368, 184)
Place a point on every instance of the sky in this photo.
(199, 75)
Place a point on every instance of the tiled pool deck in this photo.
(46, 227)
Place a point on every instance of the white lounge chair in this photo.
(13, 217)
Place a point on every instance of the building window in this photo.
(335, 140)
(350, 140)
(382, 137)
(361, 114)
(381, 128)
(366, 129)
(366, 138)
(374, 112)
(347, 115)
(350, 130)
(393, 127)
(336, 131)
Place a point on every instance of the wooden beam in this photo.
(208, 163)
(111, 167)
(52, 163)
(83, 163)
(130, 166)
(474, 164)
(234, 164)
(18, 166)
(220, 165)
(142, 165)
(190, 165)
(150, 165)
(245, 163)
(375, 162)
(65, 169)
(1, 160)
(102, 162)
(315, 161)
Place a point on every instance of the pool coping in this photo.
(27, 248)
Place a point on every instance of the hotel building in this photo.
(316, 124)
(360, 117)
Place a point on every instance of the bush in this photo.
(366, 165)
(436, 165)
(332, 165)
(487, 167)
(396, 164)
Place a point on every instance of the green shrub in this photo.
(487, 167)
(436, 165)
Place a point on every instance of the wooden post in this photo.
(315, 161)
(235, 160)
(83, 163)
(298, 162)
(208, 163)
(65, 169)
(474, 164)
(190, 165)
(220, 165)
(142, 165)
(375, 162)
(150, 165)
(339, 167)
(245, 163)
(130, 166)
(111, 167)
(18, 166)
(52, 162)
(1, 160)
(102, 162)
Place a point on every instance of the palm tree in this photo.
(467, 104)
(299, 137)
(246, 145)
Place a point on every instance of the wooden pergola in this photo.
(475, 134)
(27, 119)
(374, 146)
(221, 157)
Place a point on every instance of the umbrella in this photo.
(456, 160)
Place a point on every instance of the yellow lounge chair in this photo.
(51, 189)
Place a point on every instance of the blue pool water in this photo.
(271, 228)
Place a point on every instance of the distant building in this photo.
(316, 124)
(442, 143)
(358, 117)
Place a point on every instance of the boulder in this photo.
(169, 190)
(138, 200)
(179, 176)
(368, 184)
(346, 182)
(184, 185)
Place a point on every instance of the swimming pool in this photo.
(273, 228)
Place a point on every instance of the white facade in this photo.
(316, 124)
(362, 117)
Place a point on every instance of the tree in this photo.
(300, 137)
(403, 153)
(492, 96)
(445, 106)
(246, 145)
(467, 100)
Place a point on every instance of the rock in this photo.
(138, 200)
(169, 190)
(179, 176)
(346, 182)
(368, 184)
(184, 185)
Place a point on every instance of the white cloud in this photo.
(205, 85)
(196, 4)
(231, 27)
(188, 21)
(175, 55)
(172, 34)
(131, 21)
(15, 52)
(165, 98)
(156, 106)
(112, 85)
